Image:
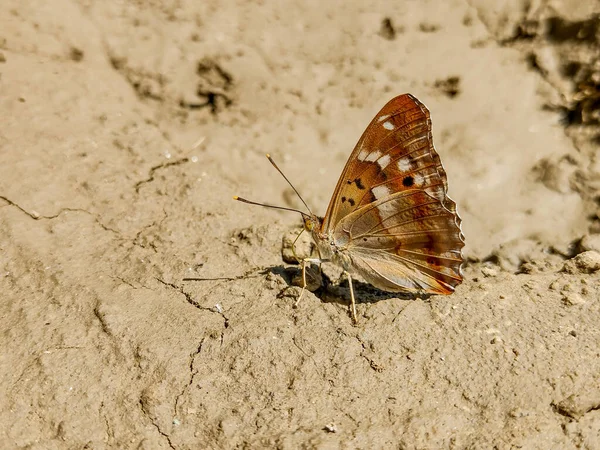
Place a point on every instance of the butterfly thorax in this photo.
(328, 247)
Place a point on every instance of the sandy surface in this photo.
(126, 128)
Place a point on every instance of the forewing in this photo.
(408, 241)
(395, 153)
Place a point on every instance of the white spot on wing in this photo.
(384, 161)
(403, 165)
(365, 155)
(373, 156)
(386, 209)
(384, 117)
(380, 192)
(419, 179)
(388, 125)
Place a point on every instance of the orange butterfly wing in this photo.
(394, 153)
(390, 208)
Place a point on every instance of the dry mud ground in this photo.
(126, 127)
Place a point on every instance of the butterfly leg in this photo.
(304, 262)
(353, 305)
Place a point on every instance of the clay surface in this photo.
(127, 127)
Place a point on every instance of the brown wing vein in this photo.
(400, 212)
(408, 233)
(427, 269)
(413, 252)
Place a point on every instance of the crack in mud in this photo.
(153, 169)
(136, 240)
(153, 422)
(376, 367)
(195, 304)
(124, 281)
(110, 433)
(187, 295)
(36, 216)
(32, 363)
(193, 373)
(105, 328)
(103, 325)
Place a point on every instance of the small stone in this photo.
(518, 412)
(489, 271)
(303, 247)
(573, 299)
(590, 242)
(529, 268)
(576, 405)
(554, 286)
(586, 262)
(330, 427)
(568, 287)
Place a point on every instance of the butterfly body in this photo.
(330, 247)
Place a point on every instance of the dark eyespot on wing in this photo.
(408, 181)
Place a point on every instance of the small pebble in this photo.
(586, 262)
(331, 428)
(590, 242)
(488, 271)
(573, 299)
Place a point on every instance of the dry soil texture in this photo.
(126, 127)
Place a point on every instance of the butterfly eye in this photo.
(308, 224)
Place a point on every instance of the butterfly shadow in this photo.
(363, 293)
(330, 291)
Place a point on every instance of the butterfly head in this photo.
(312, 223)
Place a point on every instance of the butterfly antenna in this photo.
(243, 200)
(286, 179)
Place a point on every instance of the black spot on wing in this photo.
(343, 199)
(359, 183)
(408, 181)
(351, 201)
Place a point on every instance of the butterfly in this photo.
(390, 219)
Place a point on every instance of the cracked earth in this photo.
(143, 308)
